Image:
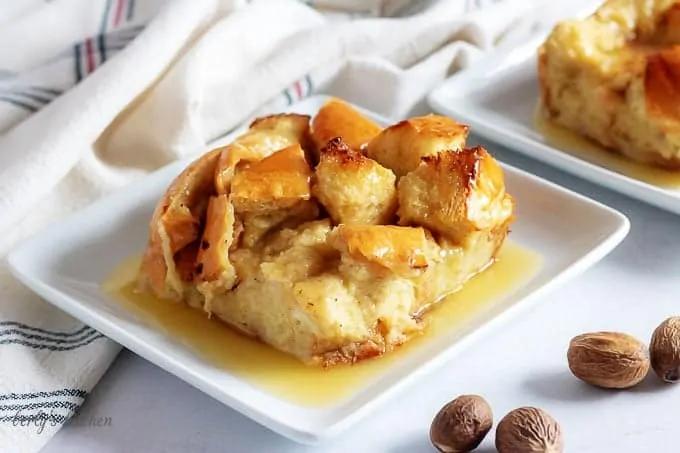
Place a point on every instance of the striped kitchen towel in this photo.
(54, 58)
(94, 94)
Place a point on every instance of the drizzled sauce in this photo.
(585, 149)
(282, 375)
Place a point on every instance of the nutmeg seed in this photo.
(461, 425)
(608, 359)
(664, 350)
(529, 430)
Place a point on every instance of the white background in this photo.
(523, 363)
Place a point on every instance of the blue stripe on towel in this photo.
(77, 62)
(289, 98)
(57, 406)
(130, 10)
(105, 17)
(41, 405)
(18, 103)
(38, 98)
(101, 43)
(50, 347)
(52, 91)
(78, 393)
(40, 416)
(31, 336)
(28, 98)
(44, 331)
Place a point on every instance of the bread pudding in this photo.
(328, 248)
(614, 77)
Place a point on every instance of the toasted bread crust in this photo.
(455, 194)
(662, 84)
(401, 146)
(175, 224)
(265, 136)
(214, 272)
(278, 181)
(337, 118)
(353, 188)
(399, 249)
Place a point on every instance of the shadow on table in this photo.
(652, 384)
(561, 385)
(421, 444)
(565, 387)
(487, 448)
(414, 445)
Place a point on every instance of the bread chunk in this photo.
(454, 194)
(400, 250)
(214, 271)
(353, 188)
(264, 137)
(175, 225)
(401, 146)
(273, 191)
(336, 118)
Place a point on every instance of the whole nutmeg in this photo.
(664, 350)
(529, 430)
(461, 425)
(608, 359)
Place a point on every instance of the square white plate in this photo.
(497, 99)
(66, 264)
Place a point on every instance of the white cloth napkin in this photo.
(94, 94)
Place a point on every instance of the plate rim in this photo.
(79, 309)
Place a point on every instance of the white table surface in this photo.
(524, 363)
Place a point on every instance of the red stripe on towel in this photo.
(89, 51)
(119, 13)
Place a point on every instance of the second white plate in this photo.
(498, 98)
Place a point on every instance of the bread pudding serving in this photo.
(614, 77)
(328, 238)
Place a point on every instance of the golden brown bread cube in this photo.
(454, 194)
(278, 181)
(336, 118)
(614, 77)
(400, 250)
(272, 191)
(353, 188)
(401, 146)
(265, 136)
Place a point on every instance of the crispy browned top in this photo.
(662, 83)
(338, 119)
(393, 247)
